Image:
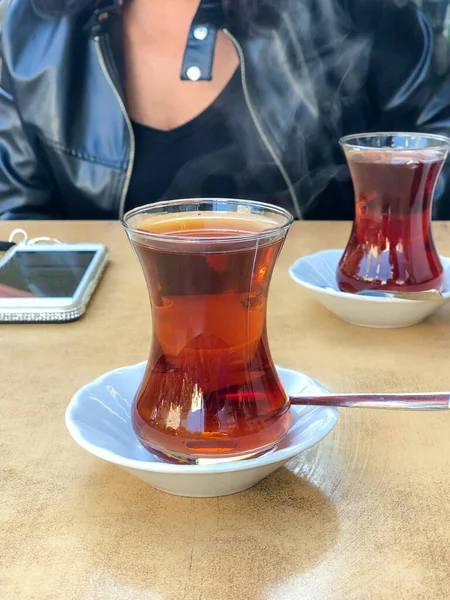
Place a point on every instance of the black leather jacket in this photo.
(312, 72)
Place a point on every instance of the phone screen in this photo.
(44, 274)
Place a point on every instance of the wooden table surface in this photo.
(364, 515)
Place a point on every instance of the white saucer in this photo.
(317, 272)
(99, 420)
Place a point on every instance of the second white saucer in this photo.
(317, 273)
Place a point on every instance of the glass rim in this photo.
(347, 140)
(206, 239)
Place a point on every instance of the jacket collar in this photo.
(200, 47)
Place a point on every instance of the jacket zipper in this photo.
(129, 172)
(259, 128)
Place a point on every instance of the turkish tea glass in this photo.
(391, 245)
(210, 391)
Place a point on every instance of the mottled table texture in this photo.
(364, 515)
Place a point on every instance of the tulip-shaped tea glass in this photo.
(391, 246)
(210, 390)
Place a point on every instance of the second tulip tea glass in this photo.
(391, 245)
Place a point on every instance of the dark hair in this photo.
(235, 9)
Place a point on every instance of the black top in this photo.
(202, 158)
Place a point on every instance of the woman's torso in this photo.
(296, 97)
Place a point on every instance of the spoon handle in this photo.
(437, 401)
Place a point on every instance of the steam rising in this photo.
(310, 81)
(321, 65)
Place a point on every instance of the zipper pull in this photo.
(101, 19)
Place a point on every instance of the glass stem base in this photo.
(205, 459)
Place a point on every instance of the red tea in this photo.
(391, 245)
(210, 388)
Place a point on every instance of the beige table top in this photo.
(363, 515)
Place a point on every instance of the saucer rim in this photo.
(278, 456)
(353, 297)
